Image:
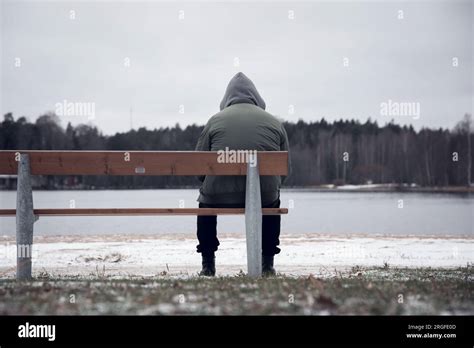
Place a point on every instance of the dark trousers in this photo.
(207, 230)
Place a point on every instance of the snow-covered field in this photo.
(301, 255)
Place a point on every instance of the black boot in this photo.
(208, 265)
(267, 266)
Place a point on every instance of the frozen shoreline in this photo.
(130, 255)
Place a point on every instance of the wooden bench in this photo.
(27, 163)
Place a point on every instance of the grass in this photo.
(365, 291)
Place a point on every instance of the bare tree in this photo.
(465, 127)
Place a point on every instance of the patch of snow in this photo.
(367, 186)
(301, 255)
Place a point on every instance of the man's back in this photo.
(242, 124)
(245, 127)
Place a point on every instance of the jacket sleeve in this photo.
(204, 144)
(285, 146)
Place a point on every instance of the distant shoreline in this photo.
(323, 188)
(388, 189)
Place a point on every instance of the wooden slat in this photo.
(143, 211)
(140, 163)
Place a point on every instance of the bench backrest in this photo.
(139, 163)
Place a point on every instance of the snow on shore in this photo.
(301, 255)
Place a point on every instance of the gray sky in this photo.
(189, 61)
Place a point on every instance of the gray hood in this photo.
(241, 90)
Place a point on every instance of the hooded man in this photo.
(242, 124)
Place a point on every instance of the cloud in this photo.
(187, 62)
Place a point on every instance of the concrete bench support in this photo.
(25, 219)
(253, 221)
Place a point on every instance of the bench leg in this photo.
(24, 219)
(253, 221)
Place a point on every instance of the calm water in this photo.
(313, 212)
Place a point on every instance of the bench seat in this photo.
(143, 211)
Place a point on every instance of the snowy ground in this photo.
(301, 255)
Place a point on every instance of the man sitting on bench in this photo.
(242, 124)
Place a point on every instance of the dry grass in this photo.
(382, 290)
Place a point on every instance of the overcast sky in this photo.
(324, 59)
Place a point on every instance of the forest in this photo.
(340, 153)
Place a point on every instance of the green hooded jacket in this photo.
(242, 124)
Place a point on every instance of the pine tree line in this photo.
(342, 152)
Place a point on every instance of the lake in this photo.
(332, 213)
